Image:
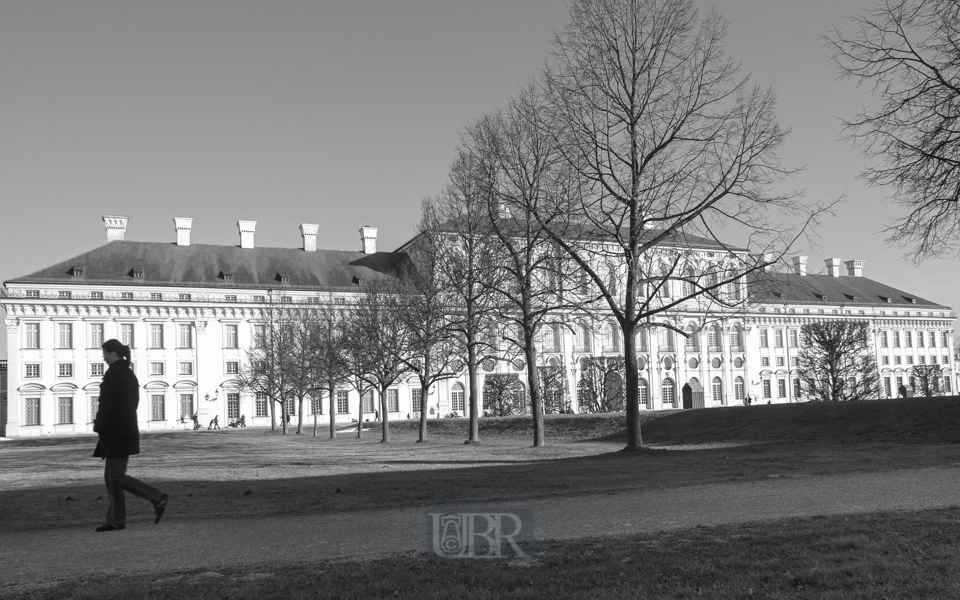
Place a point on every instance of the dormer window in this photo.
(822, 296)
(76, 272)
(282, 278)
(136, 273)
(225, 276)
(910, 300)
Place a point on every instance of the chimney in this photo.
(767, 262)
(116, 227)
(854, 268)
(309, 233)
(800, 265)
(833, 267)
(368, 235)
(247, 228)
(183, 226)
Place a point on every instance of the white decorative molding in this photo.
(12, 325)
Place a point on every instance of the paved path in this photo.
(179, 545)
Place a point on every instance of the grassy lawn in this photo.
(861, 557)
(210, 473)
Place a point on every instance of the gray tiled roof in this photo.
(844, 289)
(204, 265)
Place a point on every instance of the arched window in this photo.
(668, 392)
(642, 340)
(611, 337)
(644, 393)
(713, 337)
(716, 388)
(665, 339)
(584, 396)
(456, 398)
(738, 392)
(693, 340)
(581, 341)
(687, 288)
(736, 338)
(733, 288)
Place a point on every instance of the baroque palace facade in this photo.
(190, 311)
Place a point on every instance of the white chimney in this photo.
(183, 226)
(767, 262)
(854, 268)
(309, 233)
(247, 228)
(368, 235)
(800, 265)
(833, 267)
(116, 227)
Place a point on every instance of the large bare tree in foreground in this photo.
(672, 149)
(908, 51)
(836, 363)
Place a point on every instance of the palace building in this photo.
(190, 312)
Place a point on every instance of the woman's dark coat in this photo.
(116, 419)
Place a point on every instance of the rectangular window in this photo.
(779, 338)
(909, 360)
(796, 388)
(793, 338)
(921, 360)
(96, 369)
(185, 337)
(944, 337)
(156, 369)
(886, 387)
(31, 335)
(65, 410)
(233, 405)
(261, 404)
(897, 360)
(186, 407)
(933, 360)
(343, 405)
(230, 298)
(316, 404)
(156, 335)
(766, 389)
(64, 295)
(33, 293)
(230, 336)
(96, 335)
(232, 367)
(185, 368)
(367, 401)
(933, 338)
(126, 295)
(946, 384)
(781, 388)
(157, 412)
(908, 339)
(31, 370)
(764, 342)
(94, 406)
(156, 296)
(96, 295)
(780, 361)
(64, 335)
(415, 396)
(883, 339)
(259, 335)
(126, 334)
(393, 400)
(946, 360)
(286, 299)
(896, 339)
(185, 297)
(885, 360)
(920, 339)
(64, 369)
(259, 298)
(31, 411)
(764, 361)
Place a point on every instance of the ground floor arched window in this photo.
(456, 398)
(644, 393)
(668, 391)
(716, 388)
(738, 389)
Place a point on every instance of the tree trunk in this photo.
(283, 415)
(383, 413)
(360, 420)
(473, 379)
(300, 417)
(536, 402)
(333, 410)
(273, 416)
(634, 439)
(424, 396)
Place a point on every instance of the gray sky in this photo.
(339, 112)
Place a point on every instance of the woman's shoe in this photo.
(109, 527)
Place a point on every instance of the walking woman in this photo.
(116, 422)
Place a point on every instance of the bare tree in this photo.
(433, 351)
(267, 370)
(379, 344)
(602, 384)
(671, 149)
(835, 361)
(326, 349)
(503, 395)
(908, 51)
(927, 380)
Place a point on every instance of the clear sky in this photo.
(343, 113)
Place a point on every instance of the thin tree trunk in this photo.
(536, 402)
(634, 439)
(473, 380)
(273, 416)
(383, 413)
(300, 418)
(333, 410)
(283, 414)
(424, 396)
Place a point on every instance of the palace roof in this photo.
(780, 288)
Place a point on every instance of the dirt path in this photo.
(29, 558)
